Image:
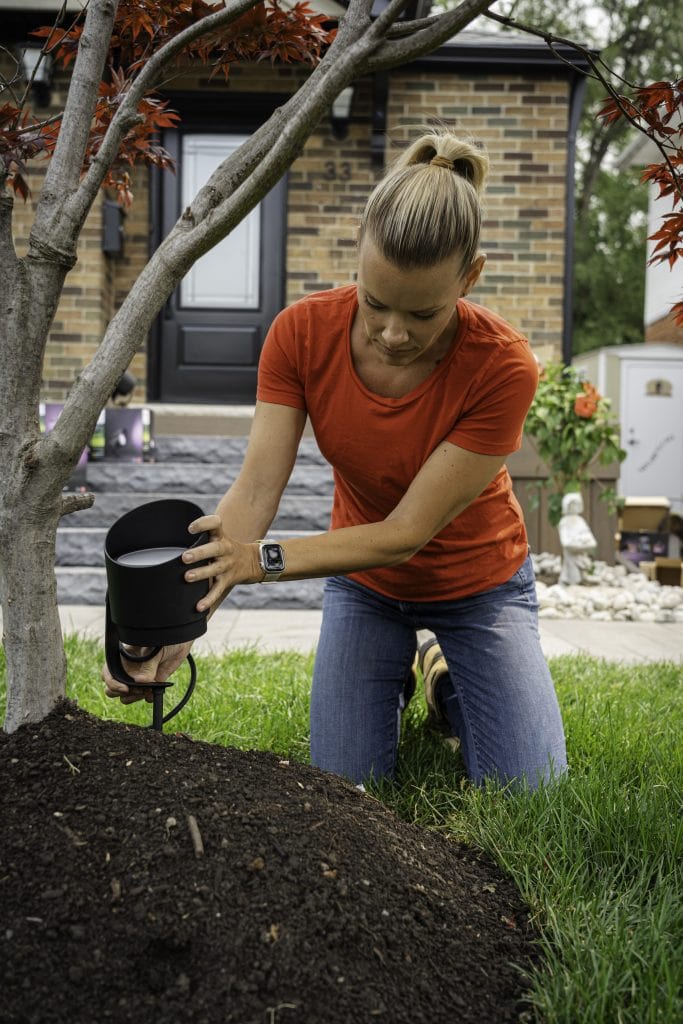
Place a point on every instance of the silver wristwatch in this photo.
(272, 560)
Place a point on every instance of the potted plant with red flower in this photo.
(571, 424)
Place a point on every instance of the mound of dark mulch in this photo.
(310, 903)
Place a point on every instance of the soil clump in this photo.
(150, 879)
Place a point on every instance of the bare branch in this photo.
(437, 31)
(386, 19)
(409, 28)
(64, 170)
(35, 126)
(46, 47)
(552, 41)
(76, 502)
(8, 83)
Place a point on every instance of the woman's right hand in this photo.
(157, 669)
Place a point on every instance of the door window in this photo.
(227, 277)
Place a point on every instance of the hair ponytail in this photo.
(427, 207)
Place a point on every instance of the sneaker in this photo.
(433, 666)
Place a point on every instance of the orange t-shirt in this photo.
(477, 397)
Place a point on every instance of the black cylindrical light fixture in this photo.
(149, 603)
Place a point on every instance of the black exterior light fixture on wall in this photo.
(112, 228)
(37, 69)
(340, 114)
(149, 604)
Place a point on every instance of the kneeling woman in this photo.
(416, 397)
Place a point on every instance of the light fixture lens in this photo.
(37, 65)
(341, 106)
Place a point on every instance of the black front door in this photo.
(210, 333)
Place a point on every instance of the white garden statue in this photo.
(576, 538)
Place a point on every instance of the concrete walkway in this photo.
(629, 642)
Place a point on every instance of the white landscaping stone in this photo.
(549, 613)
(609, 592)
(671, 597)
(621, 600)
(558, 594)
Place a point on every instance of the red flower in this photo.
(586, 405)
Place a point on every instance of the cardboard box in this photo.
(651, 514)
(669, 571)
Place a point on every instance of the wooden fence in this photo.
(528, 471)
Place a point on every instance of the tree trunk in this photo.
(36, 664)
(32, 473)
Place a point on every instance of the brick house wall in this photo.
(521, 117)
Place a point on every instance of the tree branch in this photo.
(435, 32)
(382, 24)
(552, 41)
(76, 502)
(8, 83)
(64, 170)
(408, 28)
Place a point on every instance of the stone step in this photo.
(84, 546)
(198, 467)
(108, 477)
(297, 512)
(89, 586)
(223, 450)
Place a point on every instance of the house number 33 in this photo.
(337, 171)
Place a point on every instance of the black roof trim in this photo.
(517, 56)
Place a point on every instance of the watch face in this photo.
(273, 560)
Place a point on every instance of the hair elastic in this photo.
(443, 161)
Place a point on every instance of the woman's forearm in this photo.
(447, 483)
(351, 549)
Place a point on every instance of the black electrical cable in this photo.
(188, 691)
(139, 658)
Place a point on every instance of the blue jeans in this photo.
(499, 696)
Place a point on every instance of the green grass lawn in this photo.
(598, 857)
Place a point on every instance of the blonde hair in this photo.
(427, 207)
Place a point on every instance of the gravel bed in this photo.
(608, 593)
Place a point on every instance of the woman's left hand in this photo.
(229, 562)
